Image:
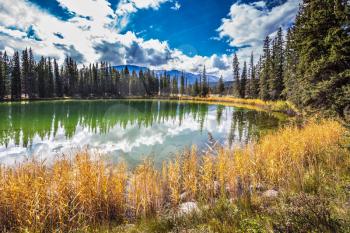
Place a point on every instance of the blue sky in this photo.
(161, 34)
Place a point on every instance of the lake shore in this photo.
(280, 106)
(293, 180)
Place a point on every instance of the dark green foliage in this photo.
(277, 61)
(50, 81)
(236, 78)
(182, 84)
(265, 73)
(243, 84)
(25, 72)
(58, 80)
(2, 79)
(321, 44)
(253, 90)
(195, 89)
(221, 86)
(204, 84)
(16, 78)
(41, 78)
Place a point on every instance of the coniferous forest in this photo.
(309, 66)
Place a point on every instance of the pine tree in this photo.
(6, 72)
(32, 76)
(195, 88)
(289, 71)
(2, 79)
(265, 70)
(182, 84)
(16, 78)
(322, 43)
(58, 80)
(204, 86)
(243, 81)
(236, 78)
(221, 86)
(25, 72)
(253, 82)
(50, 86)
(276, 79)
(41, 77)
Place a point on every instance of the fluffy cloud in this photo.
(247, 25)
(127, 7)
(92, 35)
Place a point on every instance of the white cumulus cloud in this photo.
(248, 25)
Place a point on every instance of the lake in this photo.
(128, 130)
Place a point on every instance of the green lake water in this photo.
(129, 130)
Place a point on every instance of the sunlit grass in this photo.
(85, 191)
(275, 106)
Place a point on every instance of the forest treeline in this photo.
(309, 66)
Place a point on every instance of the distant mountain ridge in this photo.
(191, 77)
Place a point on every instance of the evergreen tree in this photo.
(25, 72)
(50, 85)
(182, 84)
(6, 72)
(221, 86)
(236, 78)
(195, 88)
(41, 71)
(16, 78)
(204, 86)
(32, 76)
(253, 82)
(289, 71)
(265, 70)
(243, 83)
(2, 79)
(58, 80)
(276, 79)
(322, 43)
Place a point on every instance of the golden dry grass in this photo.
(275, 106)
(74, 194)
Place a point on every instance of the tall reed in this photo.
(88, 191)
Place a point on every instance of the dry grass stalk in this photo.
(74, 194)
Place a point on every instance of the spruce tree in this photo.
(58, 80)
(50, 85)
(6, 70)
(322, 43)
(2, 79)
(242, 91)
(204, 86)
(236, 78)
(221, 86)
(25, 72)
(253, 82)
(289, 70)
(41, 77)
(276, 78)
(32, 76)
(182, 84)
(16, 78)
(265, 70)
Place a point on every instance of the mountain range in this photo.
(191, 77)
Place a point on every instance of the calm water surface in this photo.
(123, 129)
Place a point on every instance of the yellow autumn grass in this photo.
(75, 194)
(275, 106)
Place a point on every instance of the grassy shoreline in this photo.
(282, 183)
(283, 107)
